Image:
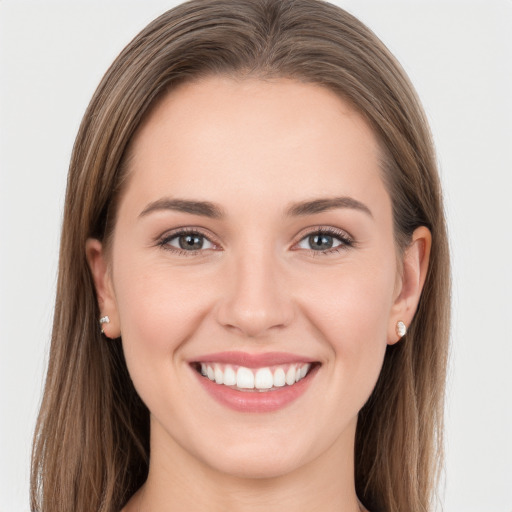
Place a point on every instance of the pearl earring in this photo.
(104, 320)
(401, 329)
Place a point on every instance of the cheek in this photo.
(354, 305)
(157, 309)
(352, 311)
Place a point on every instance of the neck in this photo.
(178, 482)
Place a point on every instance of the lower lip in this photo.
(256, 401)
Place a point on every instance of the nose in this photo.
(257, 299)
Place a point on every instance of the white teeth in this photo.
(261, 379)
(244, 378)
(229, 376)
(290, 376)
(279, 378)
(219, 376)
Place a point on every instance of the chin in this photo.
(257, 467)
(266, 455)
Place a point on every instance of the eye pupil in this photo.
(320, 242)
(191, 242)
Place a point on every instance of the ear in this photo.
(408, 291)
(102, 277)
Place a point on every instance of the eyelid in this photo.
(346, 239)
(163, 240)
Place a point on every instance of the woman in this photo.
(252, 306)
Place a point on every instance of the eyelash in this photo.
(164, 241)
(346, 241)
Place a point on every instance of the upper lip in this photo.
(249, 360)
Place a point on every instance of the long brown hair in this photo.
(91, 446)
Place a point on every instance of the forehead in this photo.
(260, 138)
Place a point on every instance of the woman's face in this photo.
(254, 243)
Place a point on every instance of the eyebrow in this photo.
(211, 210)
(325, 204)
(203, 208)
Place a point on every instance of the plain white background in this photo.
(459, 56)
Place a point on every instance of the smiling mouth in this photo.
(263, 379)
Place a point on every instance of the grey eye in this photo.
(321, 242)
(190, 242)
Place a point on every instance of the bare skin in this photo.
(258, 275)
